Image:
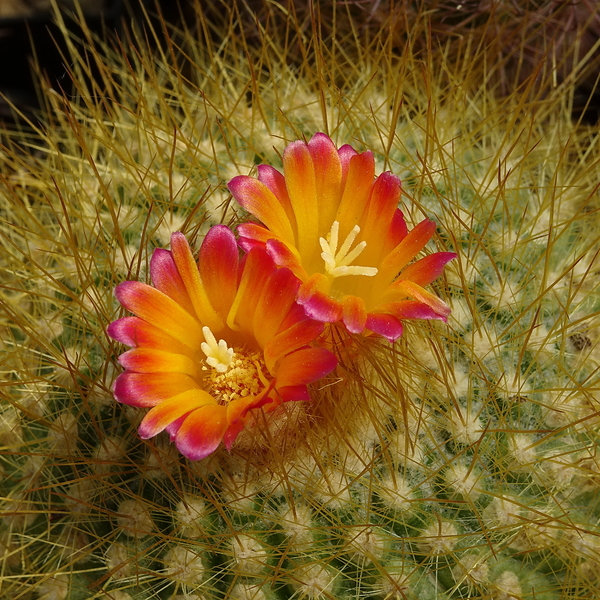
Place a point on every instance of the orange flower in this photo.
(213, 342)
(339, 230)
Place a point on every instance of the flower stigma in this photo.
(235, 373)
(337, 262)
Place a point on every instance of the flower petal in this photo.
(359, 182)
(219, 261)
(382, 204)
(302, 189)
(283, 256)
(405, 288)
(257, 268)
(136, 332)
(168, 411)
(148, 389)
(354, 314)
(409, 309)
(294, 393)
(328, 179)
(160, 310)
(296, 336)
(275, 181)
(405, 251)
(202, 432)
(167, 279)
(147, 360)
(313, 296)
(385, 325)
(278, 296)
(260, 201)
(304, 366)
(188, 269)
(425, 270)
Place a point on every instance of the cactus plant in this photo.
(457, 462)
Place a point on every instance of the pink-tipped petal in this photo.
(148, 389)
(160, 310)
(135, 332)
(275, 181)
(284, 257)
(396, 233)
(346, 152)
(302, 189)
(202, 432)
(305, 366)
(218, 263)
(385, 325)
(318, 305)
(427, 269)
(381, 206)
(296, 336)
(409, 309)
(328, 178)
(147, 360)
(168, 411)
(166, 278)
(173, 427)
(405, 251)
(354, 314)
(260, 201)
(278, 296)
(412, 290)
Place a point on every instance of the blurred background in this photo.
(551, 40)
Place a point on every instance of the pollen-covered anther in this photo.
(337, 262)
(243, 377)
(218, 355)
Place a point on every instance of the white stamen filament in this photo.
(218, 355)
(337, 262)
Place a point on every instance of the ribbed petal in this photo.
(290, 339)
(356, 192)
(278, 296)
(385, 325)
(160, 310)
(148, 389)
(166, 278)
(301, 185)
(202, 432)
(136, 332)
(425, 270)
(257, 269)
(382, 204)
(405, 251)
(168, 411)
(260, 201)
(275, 181)
(219, 260)
(354, 314)
(188, 269)
(254, 233)
(396, 233)
(305, 366)
(147, 360)
(328, 178)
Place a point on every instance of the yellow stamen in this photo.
(337, 262)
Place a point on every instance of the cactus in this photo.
(458, 462)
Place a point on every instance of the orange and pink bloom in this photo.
(339, 230)
(214, 343)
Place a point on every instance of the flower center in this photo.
(337, 262)
(234, 373)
